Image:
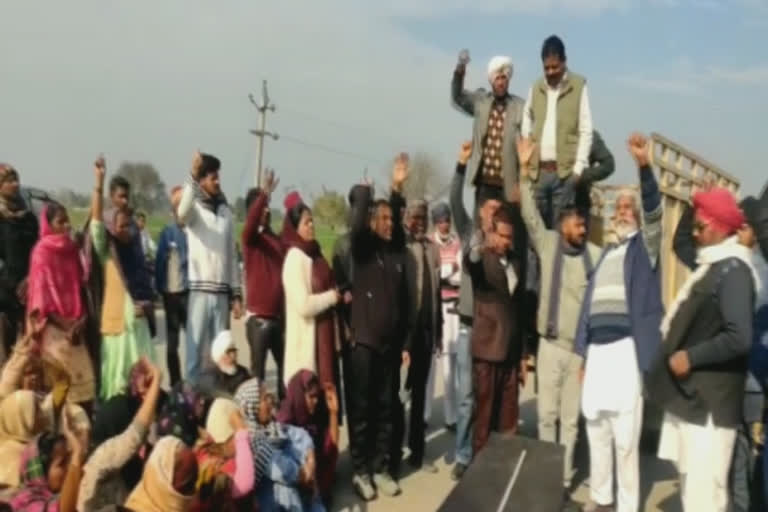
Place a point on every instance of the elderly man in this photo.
(618, 335)
(497, 118)
(449, 248)
(423, 277)
(18, 235)
(558, 117)
(699, 376)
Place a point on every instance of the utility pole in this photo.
(262, 131)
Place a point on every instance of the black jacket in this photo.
(17, 239)
(216, 384)
(379, 314)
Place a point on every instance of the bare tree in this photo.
(147, 188)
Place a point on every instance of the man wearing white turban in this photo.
(493, 167)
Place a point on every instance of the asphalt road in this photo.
(425, 492)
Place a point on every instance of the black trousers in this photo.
(418, 374)
(373, 384)
(266, 334)
(175, 305)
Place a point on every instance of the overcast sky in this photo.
(357, 81)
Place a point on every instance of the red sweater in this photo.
(263, 255)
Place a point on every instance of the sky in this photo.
(355, 81)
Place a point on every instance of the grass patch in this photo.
(326, 236)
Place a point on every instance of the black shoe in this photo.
(458, 471)
(451, 428)
(420, 465)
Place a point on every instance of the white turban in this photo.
(499, 65)
(221, 344)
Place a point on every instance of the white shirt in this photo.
(548, 142)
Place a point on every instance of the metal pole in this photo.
(262, 131)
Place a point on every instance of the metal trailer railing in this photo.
(679, 172)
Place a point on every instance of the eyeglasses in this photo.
(700, 226)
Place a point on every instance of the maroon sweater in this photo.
(263, 255)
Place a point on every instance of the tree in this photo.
(148, 190)
(239, 209)
(71, 199)
(330, 209)
(426, 180)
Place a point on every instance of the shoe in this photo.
(458, 471)
(569, 505)
(451, 427)
(364, 487)
(419, 464)
(594, 507)
(386, 485)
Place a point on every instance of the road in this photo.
(425, 492)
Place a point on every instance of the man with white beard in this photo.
(618, 336)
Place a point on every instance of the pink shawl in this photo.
(56, 275)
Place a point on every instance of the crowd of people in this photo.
(481, 297)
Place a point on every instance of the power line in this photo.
(330, 149)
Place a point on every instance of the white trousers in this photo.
(446, 361)
(619, 430)
(703, 455)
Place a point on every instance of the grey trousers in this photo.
(559, 400)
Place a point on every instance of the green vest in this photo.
(567, 131)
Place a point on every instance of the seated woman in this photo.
(102, 484)
(282, 453)
(127, 311)
(224, 460)
(168, 482)
(315, 410)
(21, 420)
(54, 302)
(50, 473)
(116, 415)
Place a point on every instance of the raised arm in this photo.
(97, 199)
(461, 218)
(190, 192)
(400, 174)
(251, 230)
(639, 148)
(537, 231)
(462, 99)
(253, 219)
